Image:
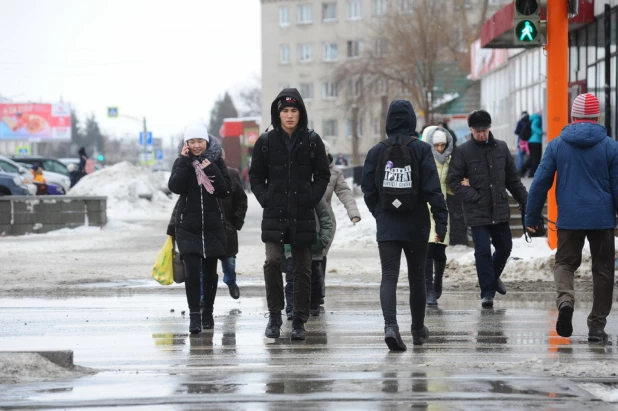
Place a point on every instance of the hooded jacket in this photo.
(536, 124)
(200, 223)
(586, 162)
(286, 180)
(491, 170)
(442, 163)
(413, 226)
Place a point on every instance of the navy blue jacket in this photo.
(413, 226)
(586, 163)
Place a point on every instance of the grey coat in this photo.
(337, 185)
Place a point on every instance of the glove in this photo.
(355, 220)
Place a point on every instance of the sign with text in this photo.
(35, 121)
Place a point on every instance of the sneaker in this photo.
(597, 336)
(392, 338)
(564, 327)
(487, 302)
(315, 312)
(298, 331)
(208, 322)
(234, 291)
(194, 323)
(419, 336)
(273, 329)
(500, 288)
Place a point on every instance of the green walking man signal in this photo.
(526, 31)
(528, 28)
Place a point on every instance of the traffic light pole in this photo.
(557, 92)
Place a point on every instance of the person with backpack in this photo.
(584, 162)
(200, 223)
(441, 142)
(289, 174)
(481, 170)
(522, 140)
(86, 164)
(399, 178)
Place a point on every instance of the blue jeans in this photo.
(521, 157)
(489, 267)
(228, 265)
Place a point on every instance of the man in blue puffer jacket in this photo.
(586, 162)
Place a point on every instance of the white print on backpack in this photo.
(397, 177)
(397, 203)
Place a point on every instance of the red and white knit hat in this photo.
(585, 106)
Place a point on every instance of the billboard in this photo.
(35, 121)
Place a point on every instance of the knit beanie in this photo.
(585, 106)
(196, 131)
(439, 137)
(285, 102)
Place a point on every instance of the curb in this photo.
(62, 358)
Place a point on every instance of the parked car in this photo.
(48, 163)
(51, 177)
(9, 166)
(12, 185)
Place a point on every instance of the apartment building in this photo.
(302, 43)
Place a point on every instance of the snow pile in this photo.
(29, 367)
(132, 192)
(362, 234)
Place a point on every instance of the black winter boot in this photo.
(420, 336)
(210, 292)
(194, 322)
(431, 294)
(437, 284)
(392, 338)
(273, 328)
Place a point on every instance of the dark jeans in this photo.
(273, 278)
(390, 258)
(489, 267)
(316, 284)
(436, 252)
(569, 258)
(536, 152)
(194, 265)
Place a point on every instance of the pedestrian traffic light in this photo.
(100, 157)
(529, 29)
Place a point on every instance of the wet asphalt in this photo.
(144, 358)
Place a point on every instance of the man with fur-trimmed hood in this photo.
(289, 174)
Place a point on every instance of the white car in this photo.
(9, 166)
(53, 178)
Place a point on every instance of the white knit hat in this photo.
(439, 137)
(196, 130)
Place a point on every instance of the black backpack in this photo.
(397, 176)
(526, 130)
(312, 145)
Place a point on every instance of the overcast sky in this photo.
(166, 60)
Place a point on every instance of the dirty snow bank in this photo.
(127, 189)
(18, 368)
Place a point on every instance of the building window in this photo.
(330, 52)
(284, 16)
(305, 53)
(329, 11)
(406, 6)
(284, 54)
(305, 14)
(355, 47)
(376, 126)
(283, 85)
(348, 127)
(329, 128)
(381, 47)
(354, 10)
(381, 88)
(329, 91)
(379, 7)
(306, 91)
(356, 86)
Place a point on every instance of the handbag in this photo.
(162, 271)
(178, 264)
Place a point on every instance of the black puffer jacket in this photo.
(289, 183)
(491, 171)
(234, 208)
(415, 225)
(200, 224)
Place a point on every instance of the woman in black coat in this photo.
(200, 224)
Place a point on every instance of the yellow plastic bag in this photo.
(163, 270)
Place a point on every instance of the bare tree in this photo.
(249, 98)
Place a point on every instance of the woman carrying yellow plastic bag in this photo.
(163, 270)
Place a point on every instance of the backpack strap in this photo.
(264, 139)
(312, 143)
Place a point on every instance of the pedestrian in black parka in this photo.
(200, 224)
(289, 175)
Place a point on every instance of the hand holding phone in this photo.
(185, 150)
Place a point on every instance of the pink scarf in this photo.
(202, 178)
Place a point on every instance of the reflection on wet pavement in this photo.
(146, 357)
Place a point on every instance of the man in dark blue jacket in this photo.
(407, 231)
(586, 163)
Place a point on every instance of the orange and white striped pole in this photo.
(557, 92)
